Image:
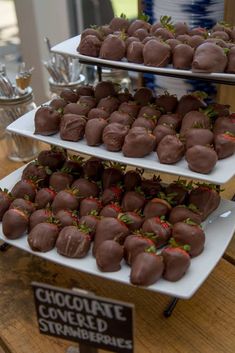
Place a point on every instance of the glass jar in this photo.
(120, 77)
(19, 148)
(56, 88)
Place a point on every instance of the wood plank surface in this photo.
(203, 324)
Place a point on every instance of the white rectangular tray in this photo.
(219, 229)
(69, 47)
(223, 171)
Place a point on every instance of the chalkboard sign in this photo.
(85, 318)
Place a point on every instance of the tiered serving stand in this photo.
(220, 225)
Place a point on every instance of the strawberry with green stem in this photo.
(141, 22)
(44, 197)
(206, 197)
(61, 180)
(178, 190)
(89, 204)
(189, 233)
(111, 194)
(224, 144)
(180, 213)
(91, 221)
(86, 187)
(25, 187)
(53, 158)
(147, 268)
(160, 227)
(74, 241)
(136, 243)
(166, 102)
(39, 216)
(176, 263)
(110, 228)
(111, 210)
(112, 174)
(74, 163)
(67, 217)
(136, 220)
(34, 169)
(24, 204)
(133, 200)
(119, 23)
(132, 179)
(5, 201)
(159, 206)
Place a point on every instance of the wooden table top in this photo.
(205, 323)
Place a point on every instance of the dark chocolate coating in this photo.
(109, 104)
(176, 263)
(201, 159)
(44, 197)
(91, 222)
(90, 46)
(60, 181)
(72, 127)
(67, 217)
(85, 90)
(161, 229)
(46, 121)
(53, 158)
(24, 188)
(111, 194)
(109, 255)
(192, 235)
(194, 119)
(111, 176)
(77, 109)
(138, 143)
(135, 244)
(65, 199)
(170, 149)
(134, 52)
(198, 136)
(133, 201)
(161, 131)
(93, 168)
(205, 199)
(119, 24)
(104, 89)
(146, 269)
(112, 48)
(182, 57)
(39, 216)
(224, 124)
(156, 208)
(167, 102)
(181, 212)
(88, 100)
(86, 188)
(130, 107)
(136, 220)
(224, 145)
(110, 210)
(72, 242)
(94, 131)
(209, 57)
(5, 202)
(132, 179)
(149, 111)
(89, 204)
(43, 237)
(69, 95)
(114, 135)
(97, 113)
(109, 228)
(189, 102)
(172, 120)
(121, 118)
(33, 169)
(156, 54)
(24, 205)
(14, 223)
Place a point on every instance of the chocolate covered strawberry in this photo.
(109, 255)
(206, 198)
(178, 191)
(72, 127)
(189, 102)
(133, 200)
(150, 111)
(209, 57)
(171, 120)
(198, 136)
(73, 242)
(112, 175)
(86, 187)
(121, 118)
(156, 53)
(224, 124)
(161, 131)
(66, 199)
(180, 213)
(90, 46)
(166, 102)
(35, 170)
(110, 228)
(148, 123)
(201, 159)
(91, 222)
(73, 110)
(111, 194)
(67, 217)
(176, 263)
(93, 168)
(53, 158)
(151, 187)
(69, 95)
(189, 233)
(161, 229)
(158, 206)
(113, 136)
(135, 220)
(112, 48)
(94, 131)
(89, 204)
(24, 204)
(141, 22)
(134, 52)
(46, 121)
(58, 104)
(43, 236)
(224, 145)
(85, 90)
(132, 108)
(119, 23)
(182, 56)
(109, 104)
(170, 149)
(39, 216)
(60, 180)
(25, 187)
(132, 179)
(134, 244)
(111, 210)
(146, 269)
(88, 100)
(139, 142)
(97, 113)
(104, 89)
(74, 164)
(14, 223)
(44, 197)
(194, 119)
(5, 201)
